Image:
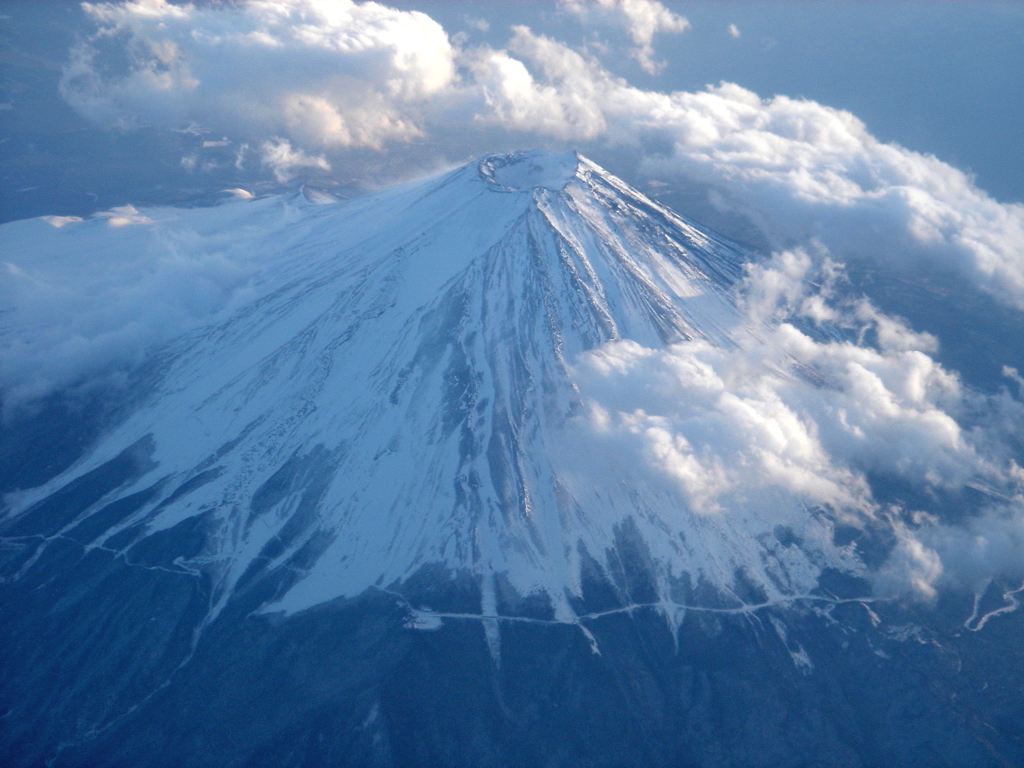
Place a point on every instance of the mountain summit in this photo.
(399, 397)
(373, 513)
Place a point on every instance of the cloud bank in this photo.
(321, 72)
(790, 417)
(312, 82)
(84, 301)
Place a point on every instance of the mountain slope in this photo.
(401, 395)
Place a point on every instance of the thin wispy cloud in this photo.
(640, 19)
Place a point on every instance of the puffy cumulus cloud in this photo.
(281, 157)
(641, 19)
(803, 171)
(559, 98)
(982, 547)
(322, 72)
(796, 419)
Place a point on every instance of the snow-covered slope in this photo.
(397, 392)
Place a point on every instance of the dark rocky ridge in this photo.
(107, 662)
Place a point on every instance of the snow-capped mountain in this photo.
(399, 394)
(372, 511)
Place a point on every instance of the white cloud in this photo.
(734, 31)
(121, 215)
(786, 422)
(479, 24)
(85, 301)
(323, 72)
(282, 158)
(563, 104)
(641, 19)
